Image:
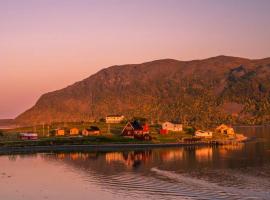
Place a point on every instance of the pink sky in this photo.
(47, 45)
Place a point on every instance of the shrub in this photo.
(189, 130)
(102, 120)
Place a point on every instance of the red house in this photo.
(28, 136)
(135, 129)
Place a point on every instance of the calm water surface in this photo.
(227, 172)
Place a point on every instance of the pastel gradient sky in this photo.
(48, 44)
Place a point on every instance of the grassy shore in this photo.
(110, 138)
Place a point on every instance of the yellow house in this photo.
(59, 132)
(224, 129)
(74, 131)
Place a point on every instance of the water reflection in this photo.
(208, 172)
(204, 154)
(226, 172)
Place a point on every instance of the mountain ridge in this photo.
(164, 89)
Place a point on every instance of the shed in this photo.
(93, 130)
(28, 136)
(59, 132)
(203, 134)
(74, 131)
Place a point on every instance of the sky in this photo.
(46, 45)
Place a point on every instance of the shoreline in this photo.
(98, 147)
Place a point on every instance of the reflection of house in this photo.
(225, 149)
(129, 159)
(28, 136)
(113, 157)
(172, 155)
(204, 154)
(135, 128)
(224, 129)
(72, 156)
(93, 130)
(59, 132)
(172, 126)
(114, 119)
(74, 131)
(203, 134)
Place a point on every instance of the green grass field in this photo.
(109, 134)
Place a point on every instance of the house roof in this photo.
(93, 128)
(174, 123)
(114, 116)
(136, 125)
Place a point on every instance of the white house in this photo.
(172, 127)
(114, 119)
(203, 134)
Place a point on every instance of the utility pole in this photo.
(109, 128)
(43, 131)
(35, 129)
(48, 129)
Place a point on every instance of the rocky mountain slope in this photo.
(202, 92)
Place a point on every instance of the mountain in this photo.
(7, 123)
(203, 92)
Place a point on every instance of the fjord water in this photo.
(225, 172)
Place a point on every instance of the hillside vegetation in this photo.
(200, 92)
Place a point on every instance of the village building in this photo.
(169, 126)
(59, 132)
(203, 134)
(224, 129)
(135, 127)
(93, 130)
(114, 119)
(28, 136)
(74, 131)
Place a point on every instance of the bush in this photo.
(1, 133)
(102, 120)
(189, 130)
(141, 120)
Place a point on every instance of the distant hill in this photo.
(202, 92)
(6, 123)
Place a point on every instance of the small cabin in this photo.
(28, 136)
(93, 130)
(135, 128)
(114, 119)
(175, 127)
(224, 129)
(203, 134)
(74, 131)
(59, 132)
